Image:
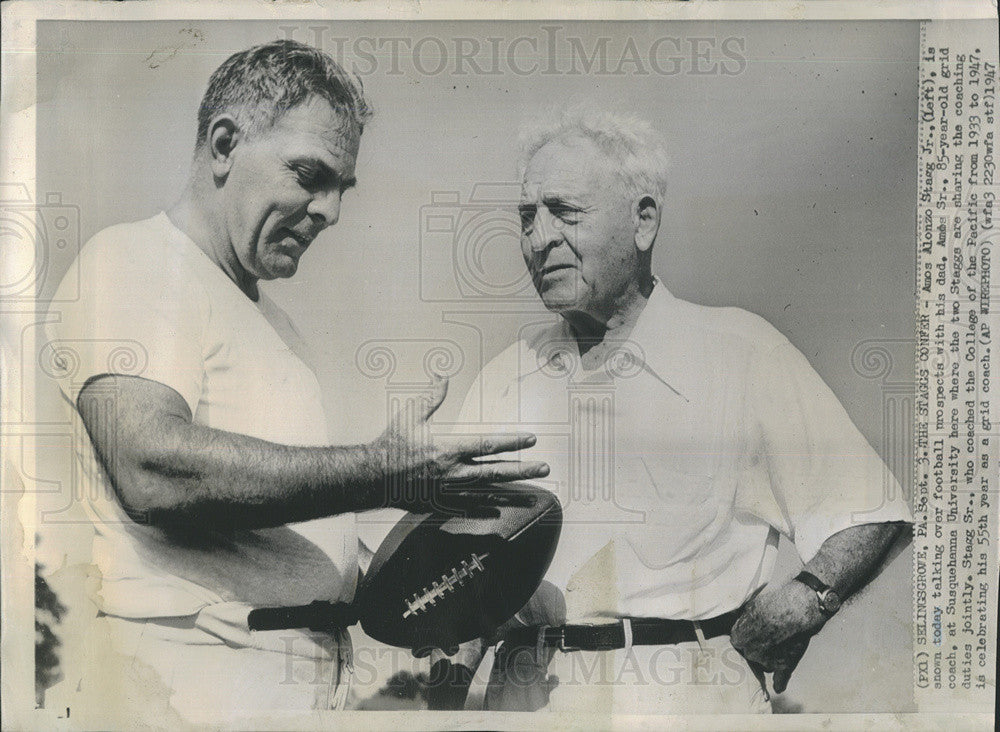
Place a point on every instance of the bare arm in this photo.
(775, 628)
(166, 470)
(850, 558)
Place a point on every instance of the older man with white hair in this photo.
(683, 441)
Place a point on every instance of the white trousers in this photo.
(208, 668)
(698, 677)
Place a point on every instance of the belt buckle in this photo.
(562, 642)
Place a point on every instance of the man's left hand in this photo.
(774, 630)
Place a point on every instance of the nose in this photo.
(546, 230)
(325, 207)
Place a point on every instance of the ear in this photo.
(647, 222)
(223, 137)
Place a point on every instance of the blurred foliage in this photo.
(783, 705)
(48, 614)
(403, 690)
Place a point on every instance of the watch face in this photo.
(830, 601)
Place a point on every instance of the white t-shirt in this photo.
(678, 466)
(154, 305)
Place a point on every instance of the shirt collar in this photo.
(657, 343)
(653, 346)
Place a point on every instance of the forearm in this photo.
(849, 559)
(170, 471)
(846, 561)
(204, 476)
(776, 625)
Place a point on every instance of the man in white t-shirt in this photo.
(204, 458)
(683, 440)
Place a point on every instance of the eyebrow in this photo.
(326, 171)
(345, 183)
(563, 200)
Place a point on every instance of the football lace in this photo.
(448, 582)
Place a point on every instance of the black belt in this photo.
(318, 616)
(611, 636)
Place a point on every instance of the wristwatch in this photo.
(829, 600)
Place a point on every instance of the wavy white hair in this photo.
(629, 142)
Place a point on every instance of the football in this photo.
(440, 579)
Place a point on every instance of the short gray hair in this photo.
(630, 142)
(260, 84)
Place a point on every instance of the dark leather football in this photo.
(441, 579)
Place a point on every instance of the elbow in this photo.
(144, 498)
(891, 532)
(150, 495)
(884, 540)
(901, 533)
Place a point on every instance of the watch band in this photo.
(829, 600)
(813, 582)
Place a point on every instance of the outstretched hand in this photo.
(425, 473)
(775, 628)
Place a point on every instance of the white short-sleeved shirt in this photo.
(154, 305)
(679, 464)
